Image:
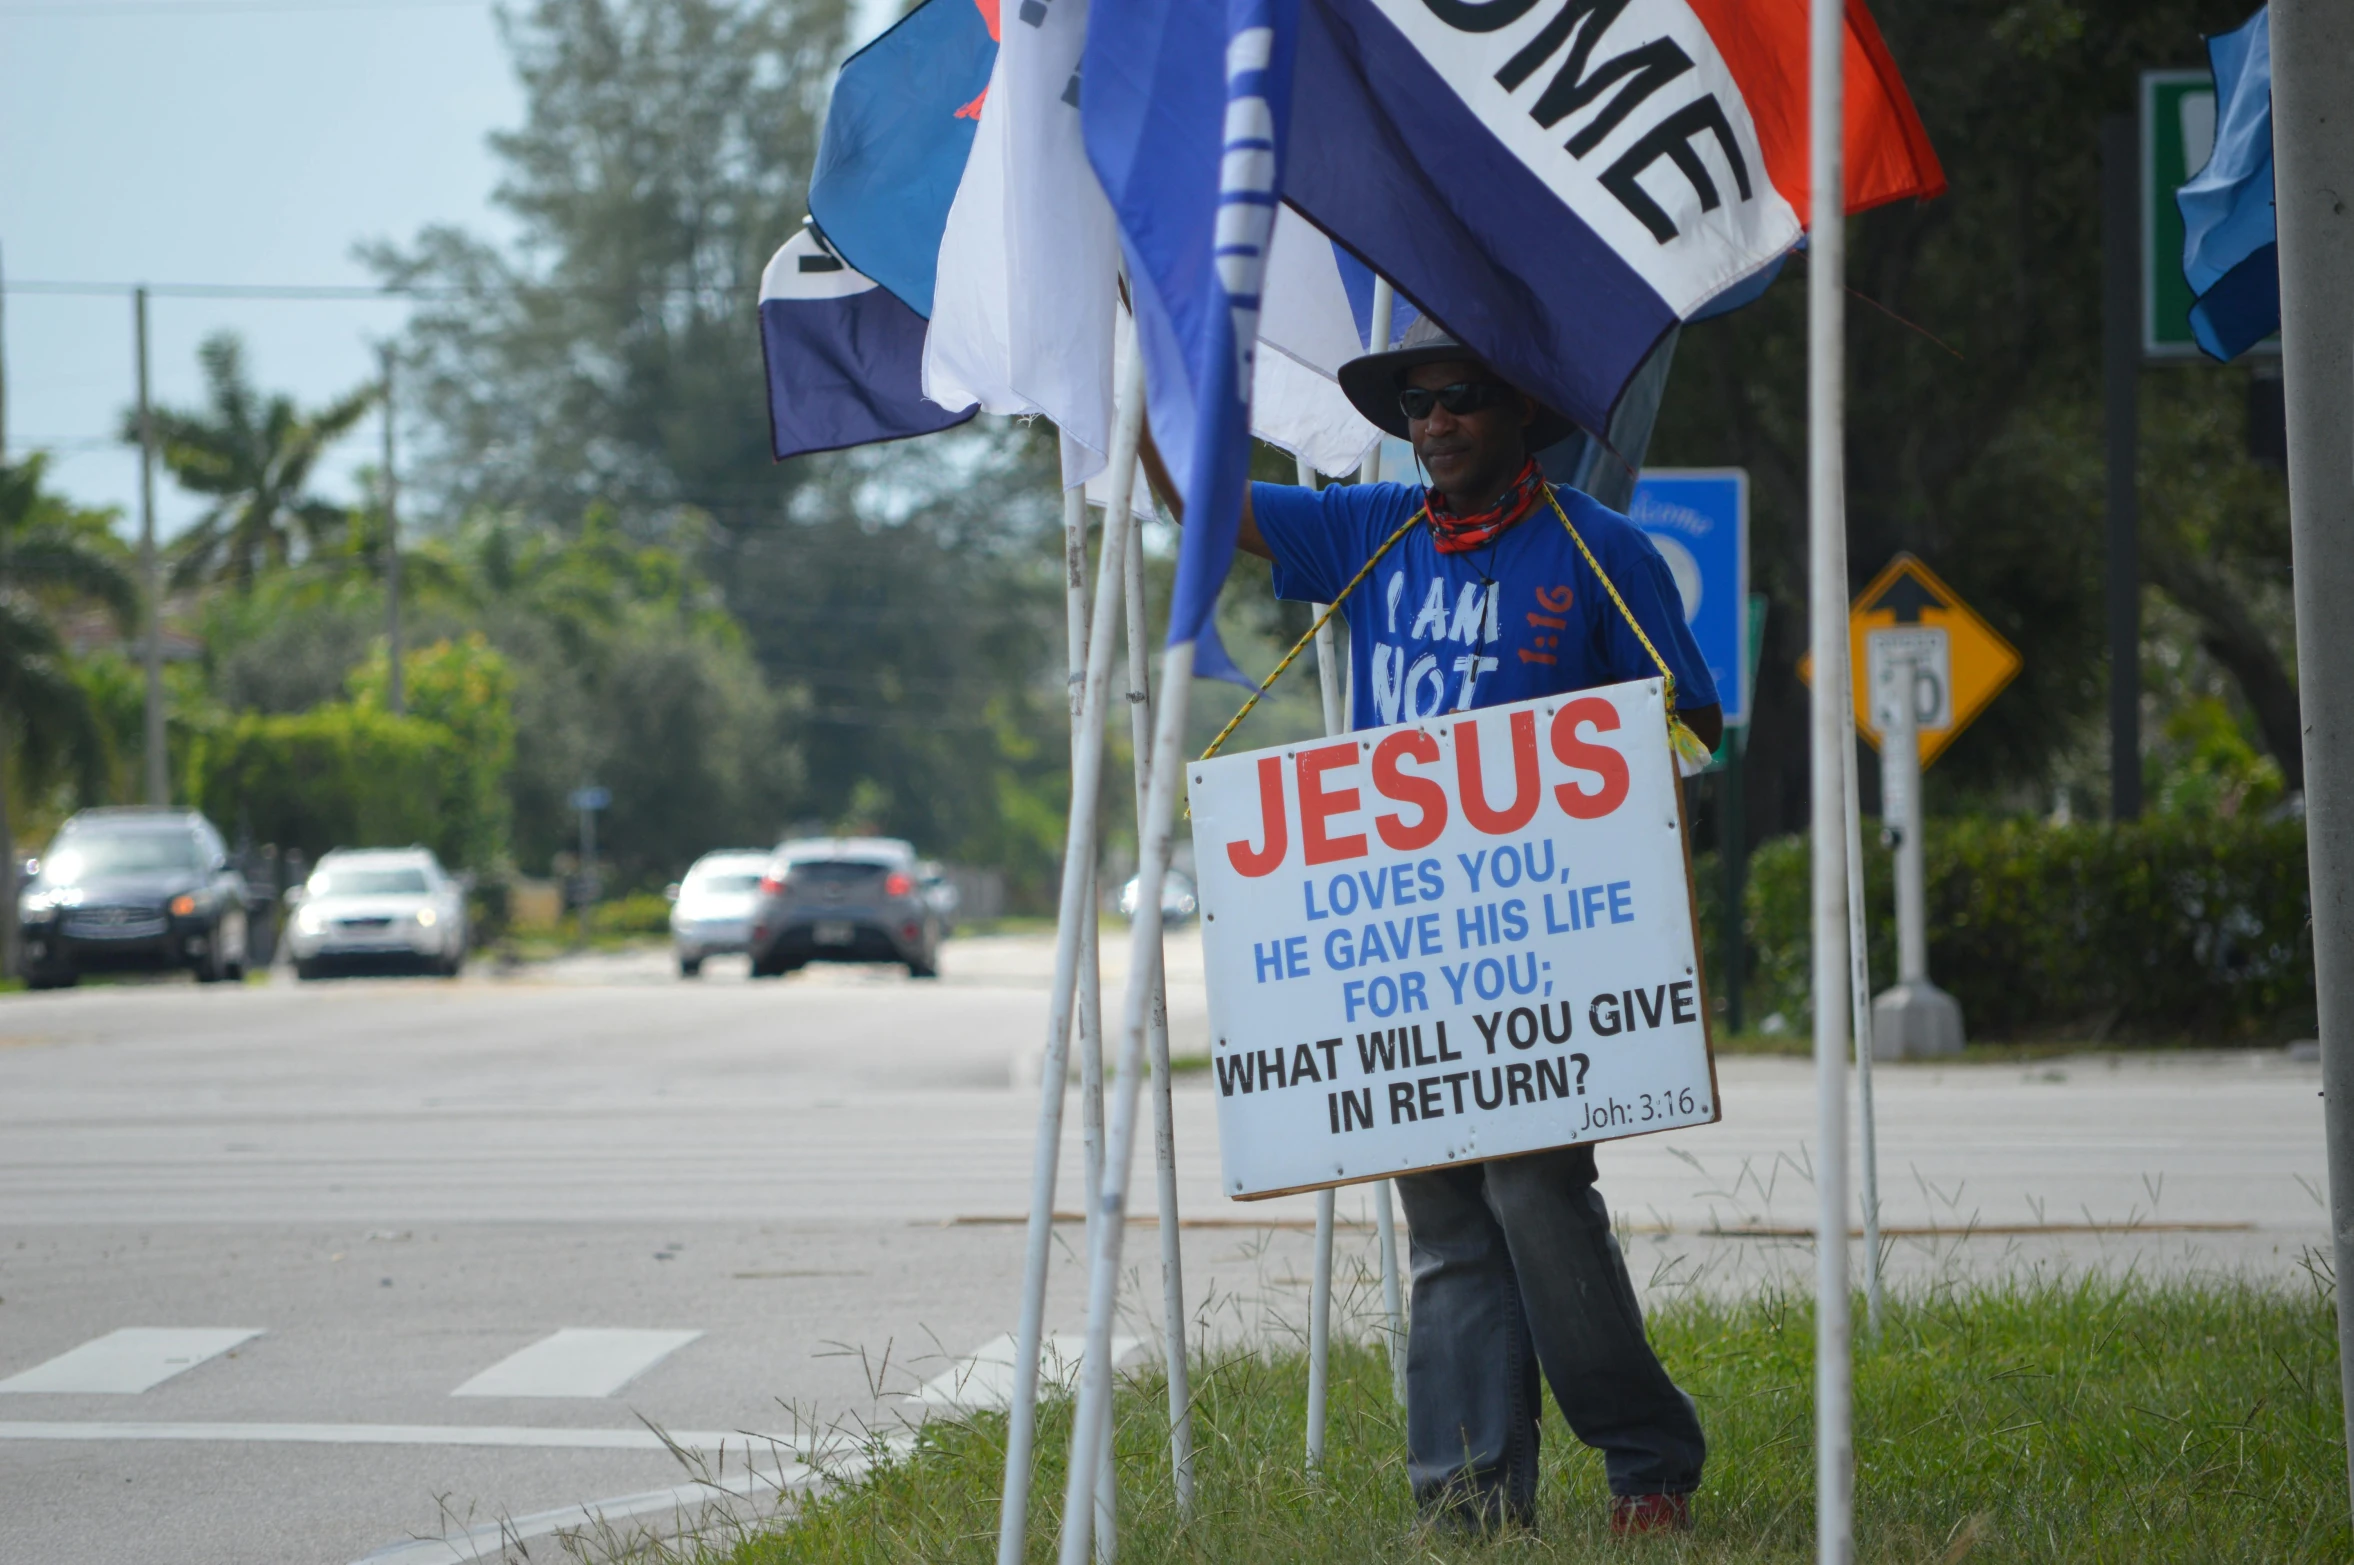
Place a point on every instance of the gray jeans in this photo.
(1516, 1269)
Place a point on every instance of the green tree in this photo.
(467, 687)
(51, 555)
(902, 604)
(251, 457)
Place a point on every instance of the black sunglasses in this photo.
(1465, 396)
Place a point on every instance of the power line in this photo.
(81, 10)
(388, 293)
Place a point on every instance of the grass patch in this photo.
(2098, 1421)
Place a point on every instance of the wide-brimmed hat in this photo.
(1372, 382)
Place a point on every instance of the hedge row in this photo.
(2167, 928)
(335, 776)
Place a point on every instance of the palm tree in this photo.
(50, 554)
(253, 458)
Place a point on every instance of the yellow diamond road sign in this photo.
(1908, 618)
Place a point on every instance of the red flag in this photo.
(1763, 43)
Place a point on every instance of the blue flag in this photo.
(897, 134)
(2230, 247)
(845, 358)
(1185, 115)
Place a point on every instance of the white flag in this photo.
(1029, 263)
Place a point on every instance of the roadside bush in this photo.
(2166, 928)
(466, 687)
(645, 913)
(335, 776)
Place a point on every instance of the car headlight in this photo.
(183, 904)
(310, 920)
(424, 918)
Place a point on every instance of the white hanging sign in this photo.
(1449, 940)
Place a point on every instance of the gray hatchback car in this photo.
(845, 899)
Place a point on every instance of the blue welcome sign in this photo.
(1699, 519)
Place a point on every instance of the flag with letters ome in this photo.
(1562, 181)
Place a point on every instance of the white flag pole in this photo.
(1827, 625)
(2313, 152)
(1859, 971)
(1095, 1372)
(1075, 906)
(1157, 1042)
(1393, 1293)
(1089, 1019)
(1336, 721)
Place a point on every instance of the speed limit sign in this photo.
(1922, 652)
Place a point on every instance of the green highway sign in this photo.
(2177, 133)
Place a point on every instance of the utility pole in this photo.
(394, 699)
(2121, 431)
(158, 791)
(3, 361)
(2313, 172)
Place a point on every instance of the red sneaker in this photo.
(1635, 1514)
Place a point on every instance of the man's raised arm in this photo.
(1248, 539)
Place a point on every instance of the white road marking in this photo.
(686, 1502)
(125, 1362)
(639, 1439)
(983, 1380)
(577, 1362)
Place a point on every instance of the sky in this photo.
(241, 142)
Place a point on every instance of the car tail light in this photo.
(183, 904)
(770, 886)
(910, 931)
(898, 885)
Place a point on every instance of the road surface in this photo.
(299, 1273)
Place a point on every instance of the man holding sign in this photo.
(1491, 587)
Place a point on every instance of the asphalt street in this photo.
(304, 1273)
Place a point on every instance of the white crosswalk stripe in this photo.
(577, 1362)
(129, 1361)
(983, 1380)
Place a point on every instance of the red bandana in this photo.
(1453, 534)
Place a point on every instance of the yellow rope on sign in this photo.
(1681, 739)
(1301, 645)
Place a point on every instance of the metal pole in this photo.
(2313, 172)
(1336, 721)
(2120, 421)
(1731, 831)
(1089, 1016)
(1859, 969)
(158, 789)
(1827, 625)
(1900, 807)
(1164, 1121)
(395, 700)
(3, 360)
(1103, 1283)
(1086, 773)
(1393, 1292)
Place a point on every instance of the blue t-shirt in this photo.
(1512, 620)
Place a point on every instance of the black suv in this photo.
(133, 888)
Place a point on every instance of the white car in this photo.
(711, 909)
(379, 908)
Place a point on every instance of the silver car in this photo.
(378, 908)
(711, 909)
